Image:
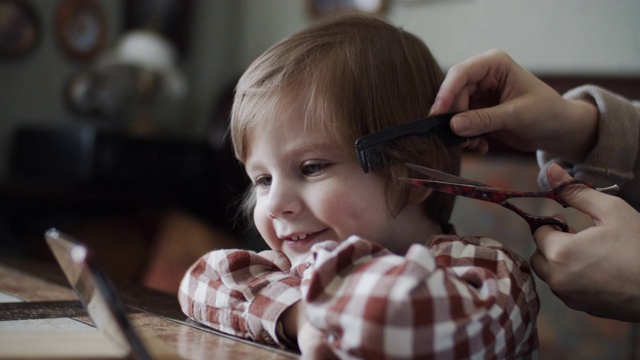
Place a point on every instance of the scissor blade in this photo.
(609, 189)
(457, 184)
(483, 193)
(444, 177)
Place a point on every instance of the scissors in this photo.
(456, 185)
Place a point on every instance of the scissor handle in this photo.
(498, 195)
(555, 192)
(536, 221)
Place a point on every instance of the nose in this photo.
(284, 200)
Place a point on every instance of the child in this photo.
(356, 267)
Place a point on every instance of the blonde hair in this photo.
(358, 74)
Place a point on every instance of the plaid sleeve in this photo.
(240, 293)
(455, 298)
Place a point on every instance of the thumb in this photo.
(579, 197)
(556, 175)
(478, 122)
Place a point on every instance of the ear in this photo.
(419, 194)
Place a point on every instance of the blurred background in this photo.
(113, 116)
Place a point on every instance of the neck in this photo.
(416, 228)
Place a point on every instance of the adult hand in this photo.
(595, 270)
(518, 108)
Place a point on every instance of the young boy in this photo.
(357, 268)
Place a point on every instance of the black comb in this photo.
(370, 147)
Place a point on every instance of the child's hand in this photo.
(313, 343)
(278, 258)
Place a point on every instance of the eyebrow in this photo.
(303, 147)
(326, 146)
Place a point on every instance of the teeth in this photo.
(299, 237)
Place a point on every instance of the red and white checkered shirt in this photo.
(451, 298)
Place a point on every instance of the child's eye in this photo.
(313, 169)
(263, 181)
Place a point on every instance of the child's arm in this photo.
(240, 293)
(458, 298)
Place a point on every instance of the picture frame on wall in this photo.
(319, 8)
(81, 28)
(20, 29)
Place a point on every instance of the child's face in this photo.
(308, 190)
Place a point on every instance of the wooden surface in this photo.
(46, 329)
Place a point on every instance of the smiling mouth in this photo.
(298, 237)
(303, 240)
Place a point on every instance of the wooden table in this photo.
(35, 313)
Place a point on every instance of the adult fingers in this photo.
(478, 122)
(580, 197)
(552, 255)
(540, 265)
(452, 100)
(461, 101)
(468, 73)
(479, 145)
(551, 241)
(556, 175)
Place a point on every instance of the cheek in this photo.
(360, 210)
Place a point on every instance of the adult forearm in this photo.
(613, 158)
